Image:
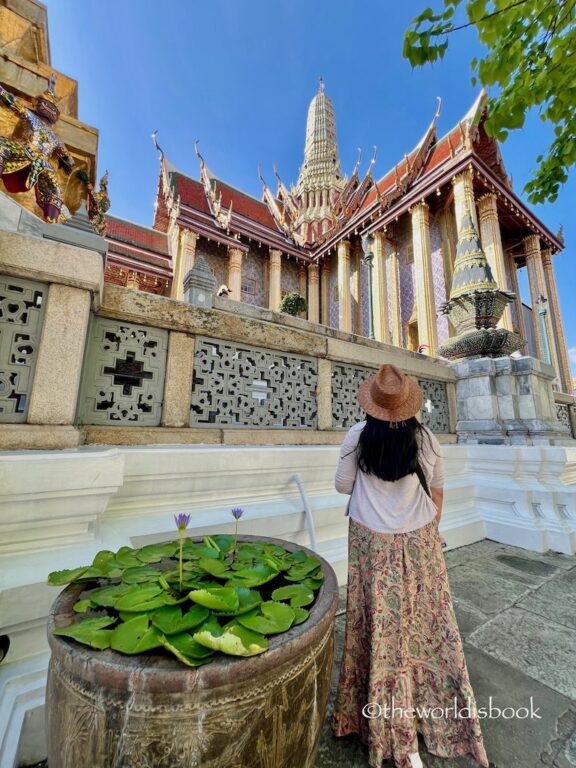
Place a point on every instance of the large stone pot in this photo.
(107, 710)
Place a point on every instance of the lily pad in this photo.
(188, 660)
(90, 632)
(170, 620)
(82, 606)
(135, 636)
(153, 553)
(140, 575)
(216, 568)
(300, 615)
(186, 644)
(107, 596)
(269, 618)
(127, 557)
(234, 641)
(252, 576)
(216, 598)
(59, 578)
(297, 594)
(141, 598)
(248, 599)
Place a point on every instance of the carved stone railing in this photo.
(120, 366)
(566, 411)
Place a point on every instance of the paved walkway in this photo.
(517, 616)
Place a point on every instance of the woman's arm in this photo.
(437, 498)
(347, 463)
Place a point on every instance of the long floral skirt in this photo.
(403, 650)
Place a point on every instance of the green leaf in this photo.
(234, 641)
(59, 578)
(248, 599)
(297, 594)
(82, 606)
(135, 636)
(140, 575)
(186, 644)
(252, 576)
(269, 618)
(300, 615)
(127, 557)
(90, 632)
(103, 558)
(170, 620)
(153, 553)
(214, 567)
(141, 599)
(188, 660)
(217, 598)
(107, 596)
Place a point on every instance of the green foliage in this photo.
(230, 600)
(530, 60)
(293, 304)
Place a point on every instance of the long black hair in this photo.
(390, 450)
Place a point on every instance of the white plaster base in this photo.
(61, 507)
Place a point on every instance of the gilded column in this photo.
(177, 288)
(521, 330)
(425, 307)
(355, 289)
(189, 252)
(464, 198)
(492, 246)
(302, 281)
(235, 273)
(313, 293)
(344, 298)
(325, 291)
(394, 278)
(559, 341)
(537, 285)
(275, 280)
(380, 291)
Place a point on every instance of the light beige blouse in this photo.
(389, 506)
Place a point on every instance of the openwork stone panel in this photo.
(236, 385)
(21, 316)
(346, 411)
(563, 416)
(123, 380)
(435, 411)
(345, 382)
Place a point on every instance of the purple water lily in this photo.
(237, 513)
(182, 521)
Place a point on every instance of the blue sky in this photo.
(238, 76)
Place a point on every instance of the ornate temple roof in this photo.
(323, 207)
(133, 246)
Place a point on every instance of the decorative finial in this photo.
(321, 85)
(155, 141)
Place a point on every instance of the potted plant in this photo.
(205, 651)
(293, 304)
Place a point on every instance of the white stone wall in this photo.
(58, 508)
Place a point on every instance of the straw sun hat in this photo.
(390, 395)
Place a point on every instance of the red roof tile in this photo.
(121, 230)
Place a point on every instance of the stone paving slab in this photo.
(486, 591)
(542, 649)
(488, 547)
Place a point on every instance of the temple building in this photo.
(309, 239)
